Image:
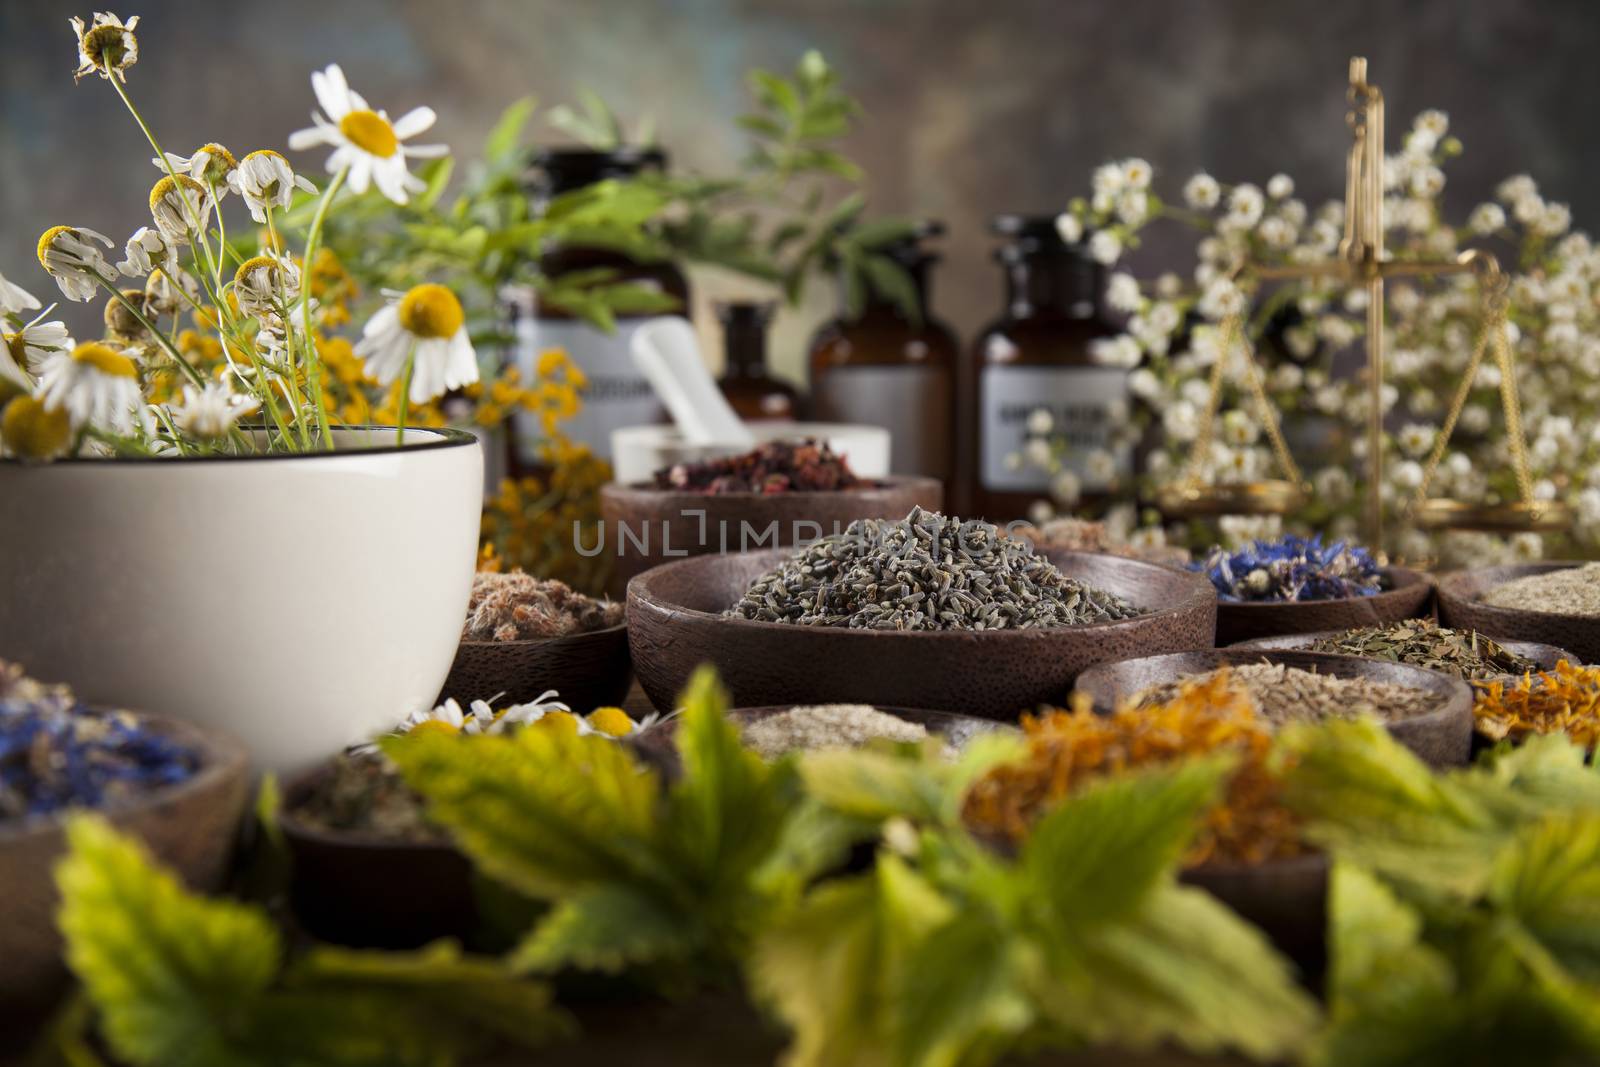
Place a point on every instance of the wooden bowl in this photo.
(1287, 899)
(675, 623)
(589, 670)
(189, 827)
(1409, 595)
(668, 524)
(1459, 605)
(1442, 738)
(367, 891)
(1546, 656)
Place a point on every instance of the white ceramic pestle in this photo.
(667, 351)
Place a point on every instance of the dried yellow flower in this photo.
(1565, 700)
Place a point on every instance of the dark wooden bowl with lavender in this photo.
(1555, 603)
(1428, 712)
(526, 635)
(1080, 609)
(1493, 659)
(1294, 585)
(781, 494)
(178, 787)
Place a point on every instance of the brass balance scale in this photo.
(1362, 260)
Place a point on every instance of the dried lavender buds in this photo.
(1284, 694)
(925, 572)
(55, 753)
(1423, 643)
(824, 726)
(518, 607)
(1289, 569)
(804, 466)
(1571, 591)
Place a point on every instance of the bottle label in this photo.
(912, 403)
(617, 393)
(1082, 403)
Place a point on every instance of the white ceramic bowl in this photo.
(639, 451)
(299, 602)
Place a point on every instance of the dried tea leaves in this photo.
(1284, 694)
(1569, 591)
(925, 572)
(804, 466)
(1423, 643)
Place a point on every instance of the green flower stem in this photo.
(314, 359)
(222, 235)
(405, 396)
(150, 327)
(289, 335)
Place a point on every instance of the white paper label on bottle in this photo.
(617, 393)
(912, 403)
(1081, 402)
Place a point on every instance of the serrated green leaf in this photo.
(170, 973)
(1135, 824)
(607, 928)
(1548, 878)
(546, 812)
(874, 785)
(1378, 963)
(960, 993)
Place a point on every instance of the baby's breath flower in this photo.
(1136, 173)
(1244, 205)
(108, 47)
(1069, 227)
(96, 384)
(147, 250)
(1486, 219)
(265, 180)
(1202, 192)
(266, 285)
(68, 256)
(1122, 292)
(210, 165)
(425, 325)
(1105, 247)
(32, 431)
(14, 298)
(180, 206)
(365, 140)
(1280, 187)
(211, 412)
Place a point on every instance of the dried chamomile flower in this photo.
(107, 48)
(210, 165)
(96, 384)
(32, 431)
(267, 285)
(68, 254)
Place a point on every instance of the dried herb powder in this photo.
(363, 793)
(1291, 569)
(1424, 643)
(1563, 701)
(925, 572)
(1569, 591)
(1284, 694)
(517, 607)
(1212, 714)
(824, 726)
(803, 466)
(56, 753)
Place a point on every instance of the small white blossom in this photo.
(1069, 227)
(1244, 205)
(1144, 384)
(1202, 192)
(1119, 351)
(1133, 207)
(1280, 187)
(1518, 187)
(1040, 422)
(1486, 219)
(148, 250)
(1038, 451)
(1221, 299)
(1100, 466)
(69, 255)
(1415, 439)
(1108, 180)
(1066, 488)
(1181, 421)
(1122, 292)
(211, 412)
(1136, 173)
(1105, 247)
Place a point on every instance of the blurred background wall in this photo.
(971, 107)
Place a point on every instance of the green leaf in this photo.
(546, 812)
(606, 928)
(505, 138)
(893, 283)
(776, 93)
(960, 992)
(1548, 878)
(170, 973)
(633, 299)
(1135, 824)
(437, 176)
(1378, 964)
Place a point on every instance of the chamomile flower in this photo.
(147, 250)
(68, 255)
(165, 291)
(30, 345)
(14, 298)
(180, 206)
(266, 285)
(265, 180)
(211, 412)
(448, 718)
(32, 431)
(108, 47)
(364, 140)
(210, 165)
(426, 328)
(95, 384)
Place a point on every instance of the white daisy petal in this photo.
(415, 121)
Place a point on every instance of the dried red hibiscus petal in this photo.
(804, 466)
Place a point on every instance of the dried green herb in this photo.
(1424, 643)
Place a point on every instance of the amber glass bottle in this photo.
(1035, 357)
(753, 393)
(617, 393)
(886, 369)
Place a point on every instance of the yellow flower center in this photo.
(221, 161)
(563, 721)
(267, 263)
(47, 239)
(434, 726)
(105, 46)
(431, 311)
(166, 188)
(105, 359)
(33, 432)
(17, 345)
(611, 721)
(370, 132)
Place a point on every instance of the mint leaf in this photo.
(605, 928)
